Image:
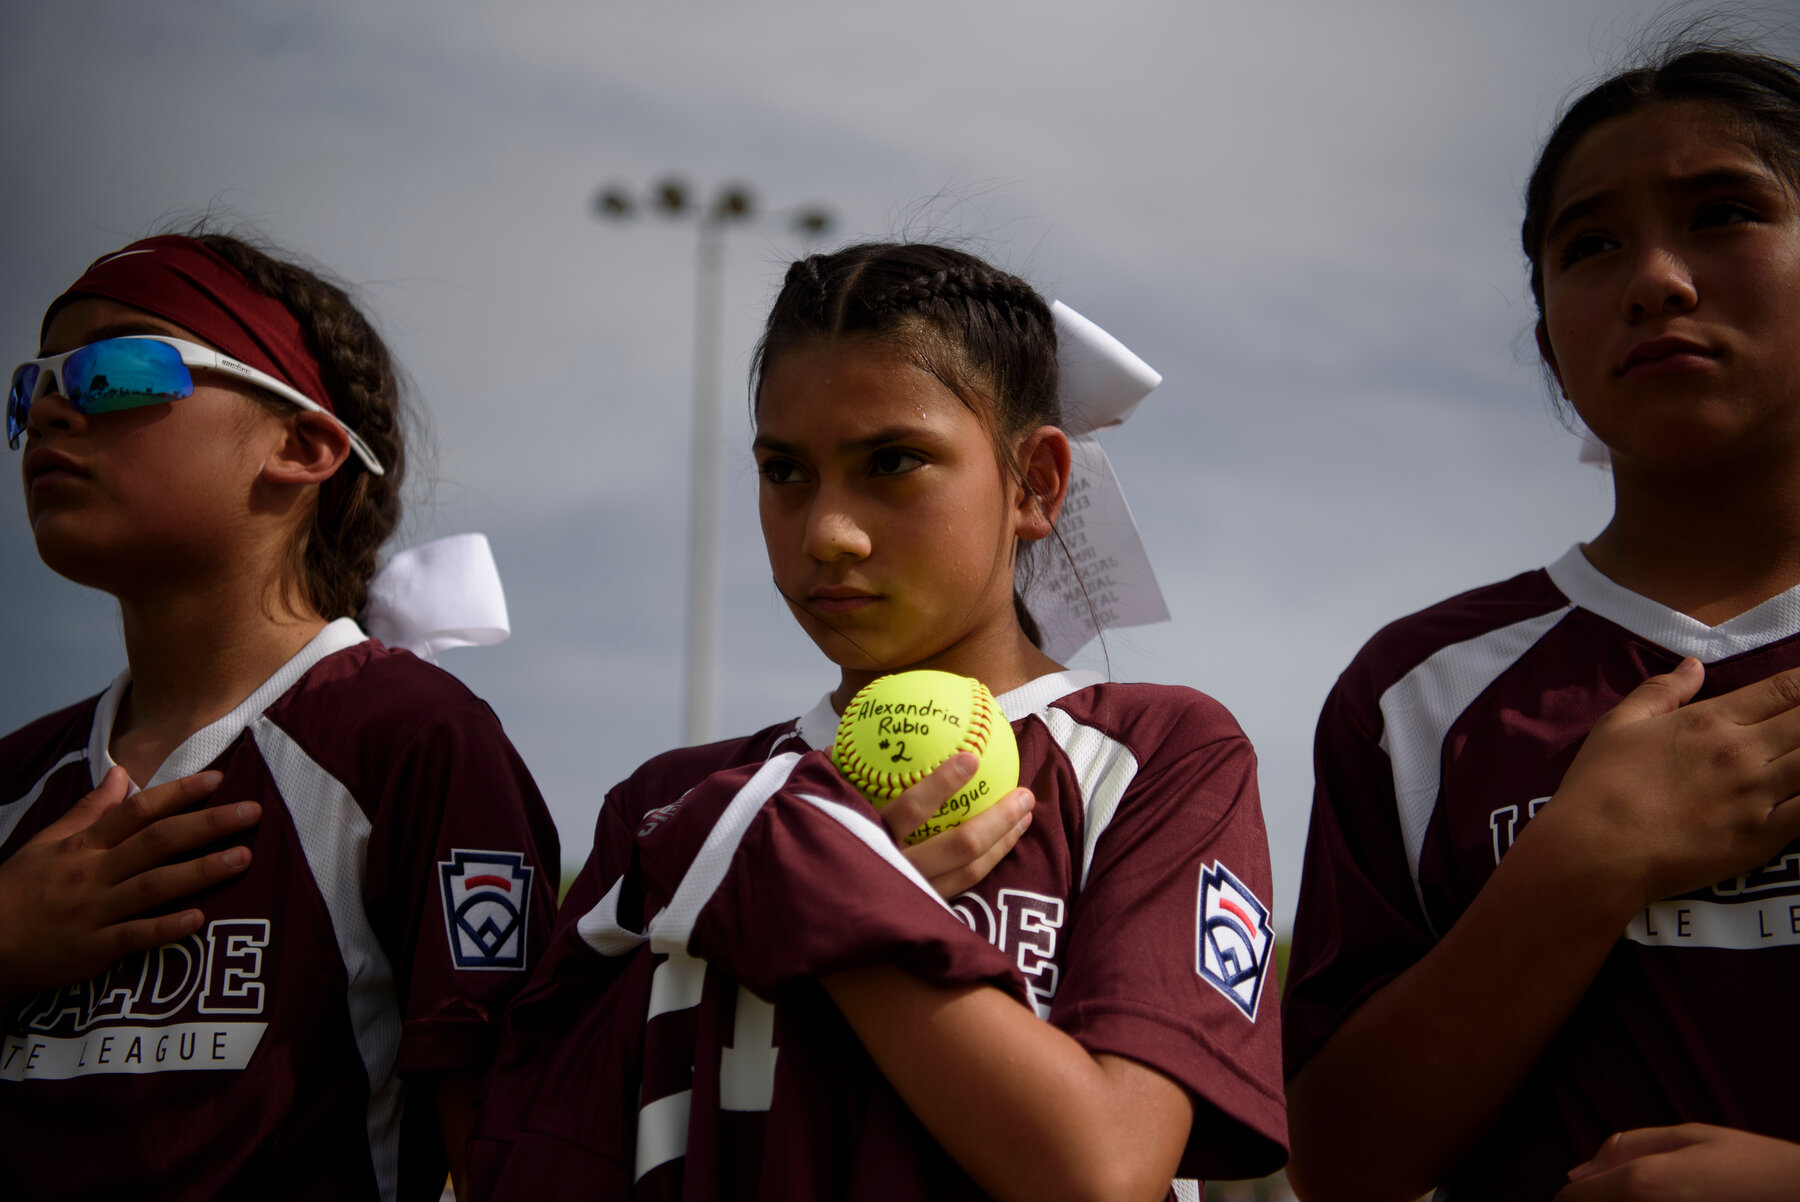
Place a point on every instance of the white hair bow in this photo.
(439, 595)
(1105, 578)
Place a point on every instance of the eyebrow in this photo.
(1741, 178)
(124, 329)
(869, 442)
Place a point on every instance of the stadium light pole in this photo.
(732, 205)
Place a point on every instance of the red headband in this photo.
(179, 280)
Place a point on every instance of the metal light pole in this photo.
(731, 206)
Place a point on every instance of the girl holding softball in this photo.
(753, 993)
(212, 435)
(1547, 940)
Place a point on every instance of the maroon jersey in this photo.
(402, 882)
(675, 1043)
(1438, 744)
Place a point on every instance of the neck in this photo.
(195, 654)
(1711, 545)
(1002, 661)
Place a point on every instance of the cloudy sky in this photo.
(1303, 214)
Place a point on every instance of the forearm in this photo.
(1421, 1068)
(1026, 1110)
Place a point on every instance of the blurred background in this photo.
(1303, 214)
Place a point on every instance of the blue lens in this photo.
(18, 402)
(124, 373)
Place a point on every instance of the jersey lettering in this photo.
(1028, 926)
(234, 966)
(218, 971)
(1505, 824)
(747, 1067)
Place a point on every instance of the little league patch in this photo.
(487, 897)
(1236, 941)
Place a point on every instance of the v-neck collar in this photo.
(1590, 588)
(204, 745)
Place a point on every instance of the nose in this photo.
(52, 411)
(1660, 283)
(833, 530)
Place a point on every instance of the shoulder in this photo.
(33, 750)
(663, 778)
(1148, 719)
(377, 694)
(1460, 624)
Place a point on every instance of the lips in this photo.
(1667, 353)
(838, 599)
(44, 465)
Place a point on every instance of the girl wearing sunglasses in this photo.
(1549, 930)
(754, 994)
(214, 436)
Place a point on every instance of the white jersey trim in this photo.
(670, 930)
(1587, 586)
(1036, 696)
(876, 838)
(1418, 709)
(599, 928)
(817, 727)
(205, 745)
(1104, 769)
(334, 834)
(15, 810)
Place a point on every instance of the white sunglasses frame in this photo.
(195, 355)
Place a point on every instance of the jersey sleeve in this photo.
(1360, 923)
(1171, 946)
(462, 874)
(797, 878)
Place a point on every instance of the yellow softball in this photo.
(899, 727)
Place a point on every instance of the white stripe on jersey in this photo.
(670, 929)
(334, 834)
(662, 1132)
(676, 985)
(1187, 1190)
(1104, 768)
(876, 838)
(1418, 710)
(599, 928)
(12, 811)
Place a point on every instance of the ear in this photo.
(312, 449)
(1548, 355)
(1043, 457)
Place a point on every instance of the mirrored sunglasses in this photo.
(115, 374)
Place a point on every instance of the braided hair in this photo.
(336, 555)
(984, 333)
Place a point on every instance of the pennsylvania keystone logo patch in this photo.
(1236, 940)
(487, 898)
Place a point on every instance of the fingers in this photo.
(908, 812)
(147, 890)
(1762, 700)
(84, 813)
(958, 859)
(168, 838)
(138, 811)
(1627, 1146)
(143, 934)
(1658, 695)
